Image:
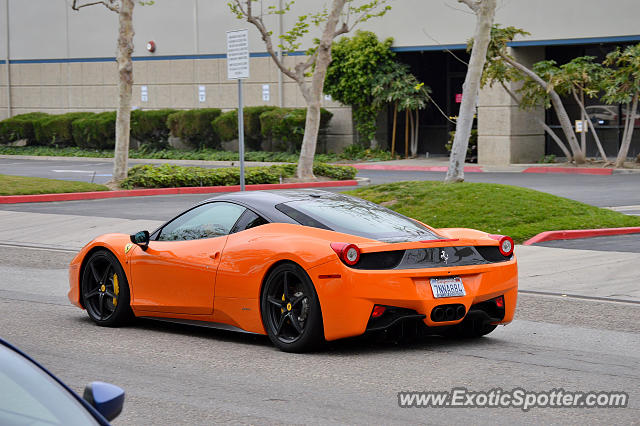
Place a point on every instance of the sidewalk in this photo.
(441, 164)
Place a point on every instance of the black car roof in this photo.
(264, 202)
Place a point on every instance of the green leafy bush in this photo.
(334, 172)
(472, 148)
(56, 130)
(286, 125)
(194, 127)
(252, 126)
(20, 127)
(95, 132)
(225, 126)
(150, 127)
(169, 176)
(358, 152)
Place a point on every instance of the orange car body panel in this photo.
(220, 279)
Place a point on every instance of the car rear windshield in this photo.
(356, 217)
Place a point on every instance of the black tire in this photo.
(290, 310)
(468, 329)
(105, 290)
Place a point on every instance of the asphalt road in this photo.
(184, 375)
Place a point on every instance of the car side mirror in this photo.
(141, 238)
(106, 398)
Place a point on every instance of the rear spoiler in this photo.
(371, 247)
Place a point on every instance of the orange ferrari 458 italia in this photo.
(302, 267)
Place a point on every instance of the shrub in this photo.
(150, 127)
(56, 130)
(194, 127)
(252, 126)
(168, 175)
(286, 125)
(95, 132)
(225, 126)
(358, 152)
(20, 127)
(334, 172)
(472, 148)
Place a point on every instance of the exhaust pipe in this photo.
(437, 314)
(450, 313)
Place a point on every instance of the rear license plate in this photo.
(447, 287)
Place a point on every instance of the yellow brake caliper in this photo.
(116, 289)
(282, 310)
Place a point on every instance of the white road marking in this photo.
(623, 208)
(86, 172)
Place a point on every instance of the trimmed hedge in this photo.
(20, 127)
(286, 125)
(226, 126)
(150, 127)
(169, 176)
(194, 127)
(55, 130)
(95, 132)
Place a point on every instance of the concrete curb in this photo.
(467, 169)
(569, 170)
(73, 196)
(579, 233)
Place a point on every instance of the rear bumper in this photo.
(347, 301)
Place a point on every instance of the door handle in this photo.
(215, 255)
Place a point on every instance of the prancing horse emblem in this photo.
(444, 256)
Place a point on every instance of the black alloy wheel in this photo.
(105, 290)
(291, 311)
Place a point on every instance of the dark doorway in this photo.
(444, 74)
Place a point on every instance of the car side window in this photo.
(207, 221)
(248, 220)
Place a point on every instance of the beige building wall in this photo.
(62, 60)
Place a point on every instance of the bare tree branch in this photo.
(342, 30)
(473, 4)
(266, 37)
(112, 5)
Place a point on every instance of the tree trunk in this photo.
(590, 123)
(125, 82)
(406, 134)
(583, 133)
(395, 123)
(628, 133)
(485, 13)
(414, 135)
(313, 95)
(558, 107)
(546, 128)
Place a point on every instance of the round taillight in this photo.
(348, 253)
(351, 255)
(506, 246)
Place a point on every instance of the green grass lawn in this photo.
(21, 185)
(502, 209)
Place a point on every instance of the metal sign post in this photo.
(238, 69)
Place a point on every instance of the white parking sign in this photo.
(237, 54)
